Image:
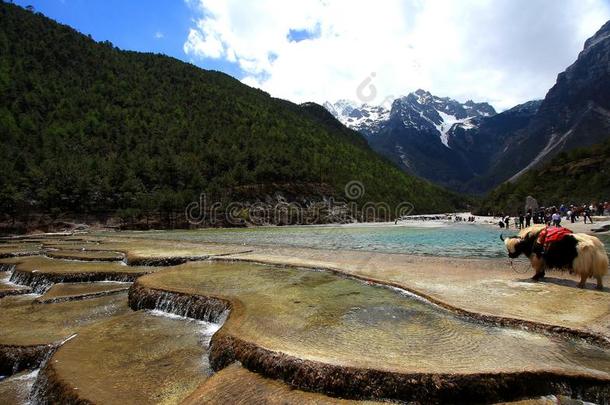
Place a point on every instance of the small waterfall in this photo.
(42, 384)
(41, 282)
(202, 308)
(208, 329)
(14, 359)
(21, 386)
(38, 282)
(6, 267)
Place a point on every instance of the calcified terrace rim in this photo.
(79, 297)
(496, 320)
(362, 383)
(18, 254)
(347, 381)
(40, 281)
(15, 358)
(86, 255)
(140, 260)
(16, 291)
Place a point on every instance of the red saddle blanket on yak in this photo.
(552, 234)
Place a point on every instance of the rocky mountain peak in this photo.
(440, 115)
(366, 119)
(601, 35)
(419, 110)
(467, 146)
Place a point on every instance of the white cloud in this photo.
(159, 35)
(501, 51)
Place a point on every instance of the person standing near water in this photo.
(521, 221)
(528, 218)
(556, 218)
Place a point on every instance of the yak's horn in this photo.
(502, 237)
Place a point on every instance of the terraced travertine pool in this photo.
(169, 339)
(319, 316)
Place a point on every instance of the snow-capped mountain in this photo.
(420, 110)
(366, 119)
(437, 138)
(470, 148)
(426, 112)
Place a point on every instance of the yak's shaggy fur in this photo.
(523, 243)
(580, 253)
(591, 260)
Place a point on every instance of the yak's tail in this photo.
(592, 259)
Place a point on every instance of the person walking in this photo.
(586, 213)
(572, 214)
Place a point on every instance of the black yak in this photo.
(580, 253)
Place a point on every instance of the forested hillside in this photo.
(575, 177)
(86, 127)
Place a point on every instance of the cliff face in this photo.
(574, 113)
(470, 148)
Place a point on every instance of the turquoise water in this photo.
(454, 240)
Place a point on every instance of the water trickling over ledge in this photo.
(40, 273)
(166, 358)
(314, 330)
(322, 332)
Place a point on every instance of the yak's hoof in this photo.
(581, 285)
(599, 287)
(538, 276)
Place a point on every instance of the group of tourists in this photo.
(520, 222)
(422, 218)
(554, 215)
(459, 218)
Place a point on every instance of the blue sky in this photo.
(159, 26)
(504, 52)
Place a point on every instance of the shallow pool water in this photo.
(434, 238)
(319, 316)
(455, 240)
